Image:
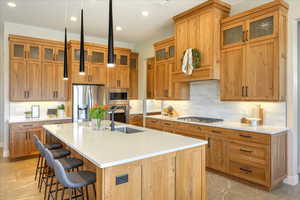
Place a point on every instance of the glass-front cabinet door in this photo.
(124, 60)
(18, 50)
(48, 54)
(76, 55)
(262, 27)
(60, 55)
(97, 57)
(161, 54)
(34, 52)
(233, 35)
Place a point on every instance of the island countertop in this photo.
(106, 148)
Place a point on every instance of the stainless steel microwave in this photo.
(117, 96)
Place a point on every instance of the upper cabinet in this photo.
(134, 76)
(36, 70)
(254, 45)
(199, 28)
(164, 88)
(150, 78)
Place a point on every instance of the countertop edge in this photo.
(9, 121)
(249, 129)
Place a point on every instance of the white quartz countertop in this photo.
(24, 120)
(229, 125)
(106, 148)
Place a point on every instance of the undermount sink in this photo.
(128, 130)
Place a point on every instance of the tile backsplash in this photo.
(205, 101)
(17, 109)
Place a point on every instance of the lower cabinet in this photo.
(136, 119)
(257, 158)
(21, 141)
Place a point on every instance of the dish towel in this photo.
(187, 62)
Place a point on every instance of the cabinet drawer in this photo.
(190, 130)
(24, 126)
(168, 126)
(248, 172)
(248, 154)
(153, 123)
(250, 137)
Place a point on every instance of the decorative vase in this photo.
(61, 113)
(97, 123)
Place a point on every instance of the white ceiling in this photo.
(127, 14)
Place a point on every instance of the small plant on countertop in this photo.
(61, 107)
(98, 112)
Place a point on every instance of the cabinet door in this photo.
(193, 32)
(18, 143)
(17, 50)
(59, 57)
(124, 60)
(181, 42)
(134, 73)
(98, 74)
(215, 153)
(159, 86)
(48, 54)
(49, 83)
(123, 77)
(206, 39)
(97, 57)
(150, 78)
(62, 85)
(263, 27)
(34, 53)
(18, 80)
(76, 77)
(232, 73)
(261, 69)
(76, 55)
(233, 35)
(113, 77)
(30, 142)
(34, 80)
(161, 54)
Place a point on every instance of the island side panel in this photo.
(190, 174)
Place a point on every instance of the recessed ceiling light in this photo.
(119, 28)
(12, 4)
(145, 13)
(73, 19)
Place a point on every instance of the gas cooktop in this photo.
(199, 119)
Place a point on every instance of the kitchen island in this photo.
(147, 165)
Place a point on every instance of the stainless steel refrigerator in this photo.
(84, 97)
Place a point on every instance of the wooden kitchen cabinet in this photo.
(199, 28)
(36, 70)
(255, 157)
(118, 77)
(255, 46)
(150, 78)
(164, 86)
(134, 76)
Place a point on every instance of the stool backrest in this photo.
(61, 175)
(39, 145)
(49, 157)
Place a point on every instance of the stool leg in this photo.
(41, 171)
(50, 189)
(42, 176)
(56, 192)
(63, 193)
(70, 193)
(94, 188)
(37, 167)
(87, 192)
(46, 183)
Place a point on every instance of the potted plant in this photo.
(61, 111)
(97, 114)
(28, 114)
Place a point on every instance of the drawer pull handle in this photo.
(246, 151)
(208, 142)
(214, 131)
(167, 124)
(199, 128)
(247, 171)
(27, 125)
(245, 136)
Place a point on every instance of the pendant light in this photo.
(81, 65)
(66, 57)
(111, 59)
(66, 48)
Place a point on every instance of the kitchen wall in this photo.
(38, 32)
(205, 102)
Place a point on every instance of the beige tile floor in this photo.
(16, 183)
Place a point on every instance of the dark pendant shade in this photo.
(66, 57)
(111, 60)
(81, 65)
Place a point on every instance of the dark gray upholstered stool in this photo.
(40, 158)
(58, 153)
(67, 163)
(74, 181)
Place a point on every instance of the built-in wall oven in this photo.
(119, 97)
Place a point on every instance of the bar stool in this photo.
(67, 163)
(40, 158)
(74, 181)
(57, 153)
